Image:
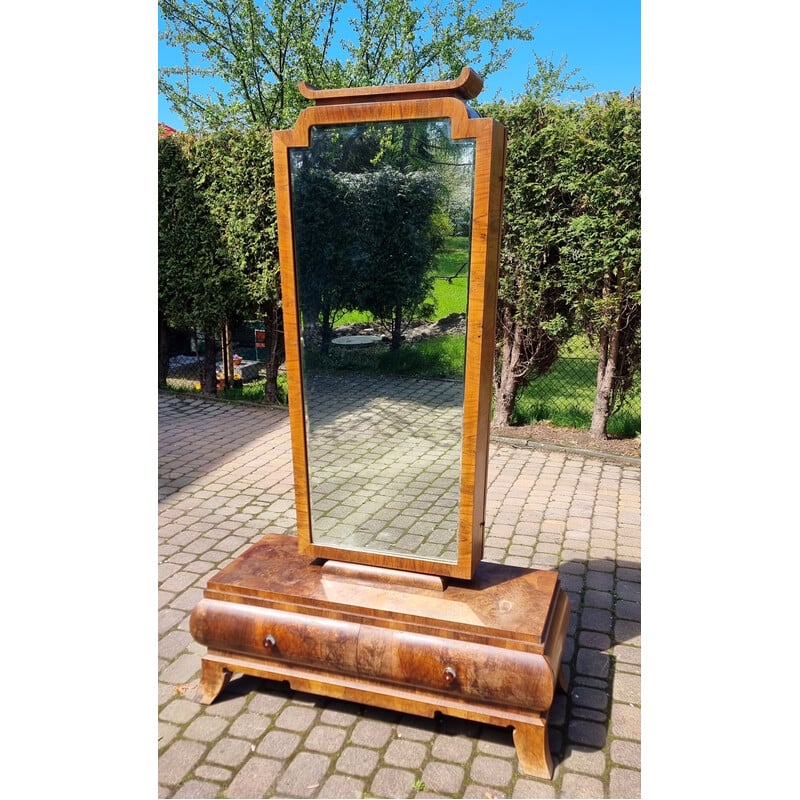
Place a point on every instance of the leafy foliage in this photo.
(253, 52)
(235, 172)
(324, 255)
(256, 51)
(218, 248)
(197, 285)
(533, 312)
(399, 234)
(364, 241)
(570, 259)
(400, 41)
(602, 267)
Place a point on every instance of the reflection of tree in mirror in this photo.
(320, 239)
(364, 242)
(398, 237)
(372, 204)
(415, 145)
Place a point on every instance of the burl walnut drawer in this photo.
(476, 671)
(467, 669)
(274, 634)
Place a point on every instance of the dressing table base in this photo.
(487, 650)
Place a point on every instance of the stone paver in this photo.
(225, 479)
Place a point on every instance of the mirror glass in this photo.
(382, 214)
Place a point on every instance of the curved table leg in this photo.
(533, 750)
(213, 679)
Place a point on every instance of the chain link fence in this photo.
(565, 395)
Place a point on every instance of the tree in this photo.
(197, 285)
(235, 174)
(602, 264)
(398, 235)
(364, 242)
(570, 256)
(325, 260)
(533, 314)
(399, 41)
(255, 51)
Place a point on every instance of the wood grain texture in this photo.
(429, 661)
(486, 649)
(502, 605)
(533, 751)
(359, 573)
(467, 85)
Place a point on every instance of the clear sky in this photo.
(599, 37)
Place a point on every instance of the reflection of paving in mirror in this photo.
(384, 463)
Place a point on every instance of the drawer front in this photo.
(477, 671)
(274, 634)
(469, 670)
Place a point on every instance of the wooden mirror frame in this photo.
(410, 102)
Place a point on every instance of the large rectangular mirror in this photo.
(389, 231)
(382, 215)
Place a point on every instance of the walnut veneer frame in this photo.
(413, 102)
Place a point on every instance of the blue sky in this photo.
(599, 37)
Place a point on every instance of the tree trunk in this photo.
(227, 353)
(507, 381)
(607, 363)
(208, 376)
(397, 328)
(275, 351)
(163, 351)
(326, 332)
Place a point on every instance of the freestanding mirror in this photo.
(382, 598)
(376, 187)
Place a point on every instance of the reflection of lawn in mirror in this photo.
(450, 287)
(450, 296)
(453, 258)
(439, 357)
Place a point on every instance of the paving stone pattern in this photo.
(225, 479)
(384, 463)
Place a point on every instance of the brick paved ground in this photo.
(225, 479)
(386, 456)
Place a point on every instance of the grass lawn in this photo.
(565, 395)
(449, 296)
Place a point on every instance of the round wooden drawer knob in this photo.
(449, 675)
(269, 642)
